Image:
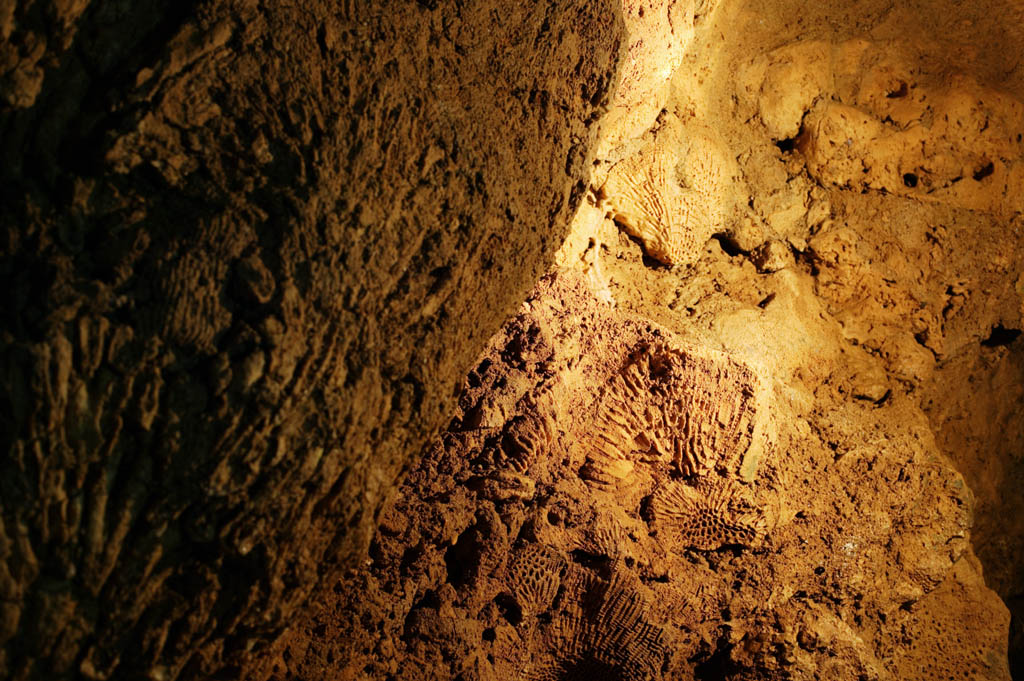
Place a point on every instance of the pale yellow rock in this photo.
(785, 212)
(772, 257)
(660, 31)
(675, 192)
(582, 248)
(873, 126)
(786, 82)
(818, 212)
(747, 234)
(620, 469)
(870, 381)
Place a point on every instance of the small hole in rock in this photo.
(984, 171)
(730, 247)
(910, 180)
(787, 145)
(509, 608)
(716, 666)
(900, 91)
(1001, 336)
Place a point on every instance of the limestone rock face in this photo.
(603, 543)
(659, 33)
(674, 192)
(764, 421)
(248, 251)
(867, 119)
(910, 143)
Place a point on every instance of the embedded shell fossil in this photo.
(673, 193)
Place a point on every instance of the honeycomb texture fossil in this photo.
(705, 517)
(535, 572)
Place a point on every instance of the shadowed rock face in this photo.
(248, 251)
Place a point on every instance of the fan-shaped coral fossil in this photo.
(693, 410)
(608, 634)
(673, 194)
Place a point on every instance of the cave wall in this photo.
(625, 499)
(249, 250)
(832, 201)
(919, 251)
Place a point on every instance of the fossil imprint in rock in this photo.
(674, 193)
(692, 424)
(684, 411)
(705, 517)
(648, 448)
(535, 574)
(605, 631)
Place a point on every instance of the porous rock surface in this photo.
(559, 530)
(249, 249)
(813, 500)
(903, 191)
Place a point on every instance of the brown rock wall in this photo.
(248, 251)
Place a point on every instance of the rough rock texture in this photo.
(870, 120)
(558, 530)
(903, 192)
(853, 335)
(248, 251)
(659, 33)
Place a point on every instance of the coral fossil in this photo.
(641, 194)
(695, 410)
(704, 519)
(526, 438)
(604, 633)
(534, 575)
(671, 194)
